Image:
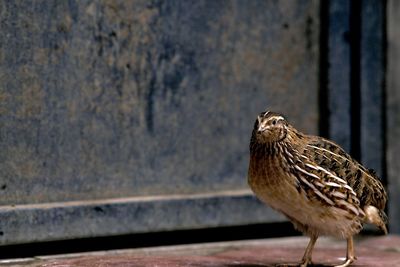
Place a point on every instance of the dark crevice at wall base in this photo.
(255, 231)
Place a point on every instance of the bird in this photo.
(311, 180)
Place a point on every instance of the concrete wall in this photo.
(125, 106)
(138, 114)
(104, 99)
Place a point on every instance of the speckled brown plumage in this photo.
(314, 182)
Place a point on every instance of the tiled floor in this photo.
(371, 251)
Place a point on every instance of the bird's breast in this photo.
(270, 181)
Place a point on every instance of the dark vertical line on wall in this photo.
(323, 70)
(383, 88)
(339, 72)
(150, 95)
(372, 82)
(150, 105)
(355, 74)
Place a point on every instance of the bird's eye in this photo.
(273, 122)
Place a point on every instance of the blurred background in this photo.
(127, 123)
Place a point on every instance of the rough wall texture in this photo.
(103, 99)
(393, 114)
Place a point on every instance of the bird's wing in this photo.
(324, 185)
(331, 157)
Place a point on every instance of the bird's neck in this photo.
(292, 142)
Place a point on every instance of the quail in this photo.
(314, 183)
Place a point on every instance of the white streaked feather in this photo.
(304, 157)
(319, 184)
(350, 189)
(316, 191)
(349, 206)
(343, 182)
(332, 153)
(331, 174)
(338, 194)
(307, 173)
(326, 150)
(333, 184)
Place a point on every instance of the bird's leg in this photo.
(307, 254)
(350, 257)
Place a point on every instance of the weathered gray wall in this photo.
(104, 99)
(147, 103)
(393, 114)
(137, 114)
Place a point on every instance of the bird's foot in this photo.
(347, 262)
(305, 263)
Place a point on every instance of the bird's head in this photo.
(270, 127)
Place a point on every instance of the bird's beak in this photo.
(262, 128)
